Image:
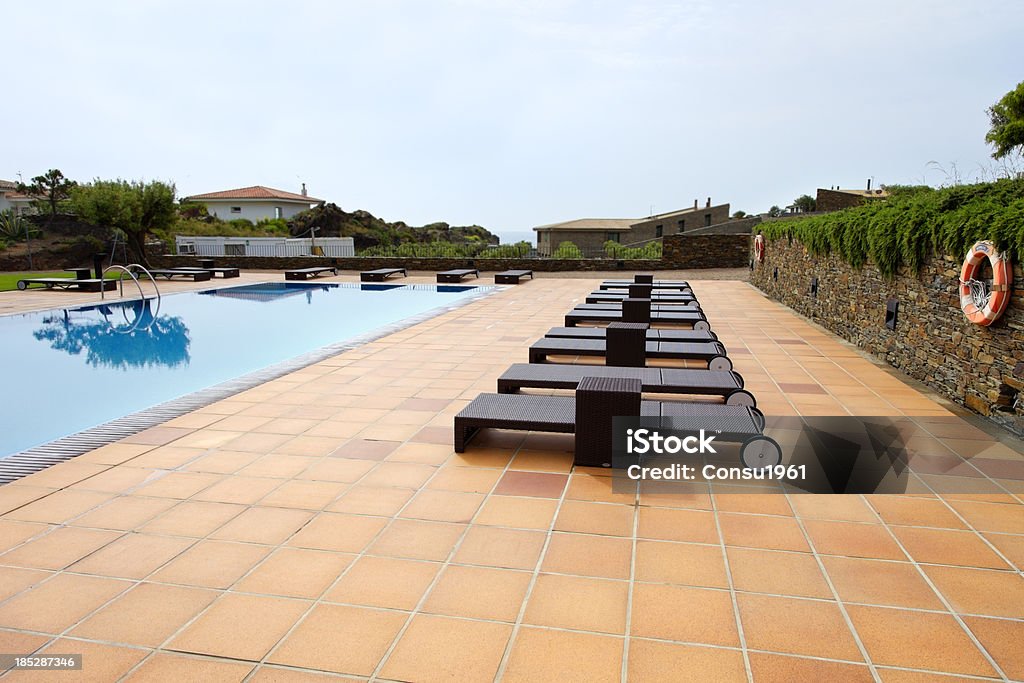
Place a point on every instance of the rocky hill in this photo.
(369, 231)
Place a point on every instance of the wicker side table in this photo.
(598, 400)
(626, 345)
(640, 291)
(636, 310)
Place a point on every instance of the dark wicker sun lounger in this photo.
(713, 352)
(655, 306)
(511, 277)
(457, 275)
(381, 274)
(222, 272)
(606, 297)
(84, 285)
(194, 275)
(652, 335)
(589, 415)
(693, 318)
(679, 285)
(727, 384)
(303, 273)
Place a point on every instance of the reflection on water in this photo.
(122, 335)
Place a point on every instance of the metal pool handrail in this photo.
(142, 294)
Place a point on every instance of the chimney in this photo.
(869, 184)
(694, 204)
(304, 190)
(708, 206)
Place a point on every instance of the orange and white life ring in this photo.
(982, 304)
(759, 248)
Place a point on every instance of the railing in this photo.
(130, 270)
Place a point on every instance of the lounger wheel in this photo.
(720, 364)
(741, 397)
(694, 305)
(760, 452)
(22, 285)
(702, 325)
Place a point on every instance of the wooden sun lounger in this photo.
(728, 384)
(84, 285)
(511, 277)
(588, 415)
(652, 335)
(222, 272)
(304, 273)
(712, 351)
(381, 274)
(457, 275)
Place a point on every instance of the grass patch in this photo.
(913, 223)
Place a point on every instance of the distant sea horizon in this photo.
(513, 236)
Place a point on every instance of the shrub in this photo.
(567, 250)
(914, 222)
(13, 227)
(651, 250)
(271, 226)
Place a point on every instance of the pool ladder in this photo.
(130, 269)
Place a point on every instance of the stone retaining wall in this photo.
(981, 368)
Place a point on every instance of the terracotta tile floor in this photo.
(320, 525)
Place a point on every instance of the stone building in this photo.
(836, 198)
(590, 234)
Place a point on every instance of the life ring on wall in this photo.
(982, 304)
(759, 248)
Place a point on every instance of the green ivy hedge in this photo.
(914, 222)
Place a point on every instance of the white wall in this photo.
(252, 211)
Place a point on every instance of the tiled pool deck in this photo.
(322, 523)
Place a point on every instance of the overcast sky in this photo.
(505, 113)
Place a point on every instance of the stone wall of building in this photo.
(706, 251)
(981, 368)
(680, 252)
(678, 222)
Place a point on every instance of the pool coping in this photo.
(31, 460)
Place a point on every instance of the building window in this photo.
(707, 219)
(611, 236)
(277, 212)
(236, 209)
(682, 225)
(659, 230)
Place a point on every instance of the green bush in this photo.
(913, 223)
(651, 250)
(517, 250)
(567, 250)
(13, 227)
(272, 226)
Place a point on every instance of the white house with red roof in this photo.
(254, 203)
(12, 200)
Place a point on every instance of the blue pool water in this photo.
(71, 369)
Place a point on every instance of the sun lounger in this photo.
(713, 352)
(84, 285)
(606, 297)
(693, 318)
(457, 275)
(194, 275)
(303, 273)
(659, 284)
(588, 415)
(652, 335)
(380, 274)
(655, 306)
(222, 272)
(511, 277)
(728, 384)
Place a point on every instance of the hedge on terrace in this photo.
(914, 222)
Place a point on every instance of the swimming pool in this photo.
(70, 369)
